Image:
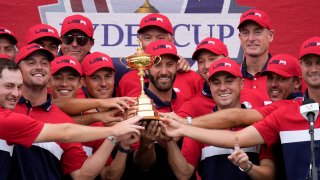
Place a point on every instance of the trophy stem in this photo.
(141, 75)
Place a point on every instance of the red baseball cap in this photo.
(213, 45)
(27, 50)
(65, 61)
(283, 64)
(257, 16)
(158, 20)
(226, 65)
(95, 61)
(42, 30)
(310, 46)
(162, 47)
(5, 32)
(77, 22)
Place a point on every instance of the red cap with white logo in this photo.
(65, 61)
(310, 46)
(40, 31)
(213, 45)
(284, 65)
(77, 22)
(257, 16)
(95, 61)
(225, 65)
(27, 50)
(158, 20)
(162, 47)
(8, 34)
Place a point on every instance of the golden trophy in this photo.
(142, 61)
(146, 8)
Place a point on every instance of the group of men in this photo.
(55, 82)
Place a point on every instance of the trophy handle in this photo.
(121, 61)
(155, 58)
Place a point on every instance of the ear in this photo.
(271, 35)
(81, 82)
(297, 81)
(241, 83)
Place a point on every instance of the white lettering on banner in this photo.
(116, 31)
(119, 31)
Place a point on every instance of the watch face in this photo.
(112, 139)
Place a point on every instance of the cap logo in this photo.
(222, 65)
(206, 42)
(5, 30)
(278, 62)
(252, 14)
(77, 21)
(99, 59)
(66, 61)
(163, 46)
(312, 44)
(36, 46)
(153, 19)
(44, 30)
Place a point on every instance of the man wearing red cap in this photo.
(8, 43)
(77, 36)
(149, 160)
(29, 129)
(208, 51)
(255, 34)
(225, 84)
(154, 27)
(44, 35)
(291, 129)
(34, 62)
(66, 79)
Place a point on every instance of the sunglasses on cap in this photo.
(81, 40)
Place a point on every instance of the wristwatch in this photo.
(189, 120)
(113, 139)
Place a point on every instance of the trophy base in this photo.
(147, 109)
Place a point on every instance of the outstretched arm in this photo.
(67, 132)
(228, 118)
(74, 106)
(221, 138)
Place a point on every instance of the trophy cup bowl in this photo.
(142, 61)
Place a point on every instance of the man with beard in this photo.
(52, 159)
(149, 158)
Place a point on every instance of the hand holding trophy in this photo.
(141, 62)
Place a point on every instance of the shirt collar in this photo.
(215, 108)
(206, 90)
(244, 71)
(46, 106)
(157, 101)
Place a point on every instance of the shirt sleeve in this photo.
(191, 151)
(18, 128)
(269, 127)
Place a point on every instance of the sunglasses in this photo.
(81, 40)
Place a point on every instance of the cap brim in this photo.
(195, 55)
(66, 66)
(252, 20)
(11, 38)
(306, 53)
(279, 72)
(152, 25)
